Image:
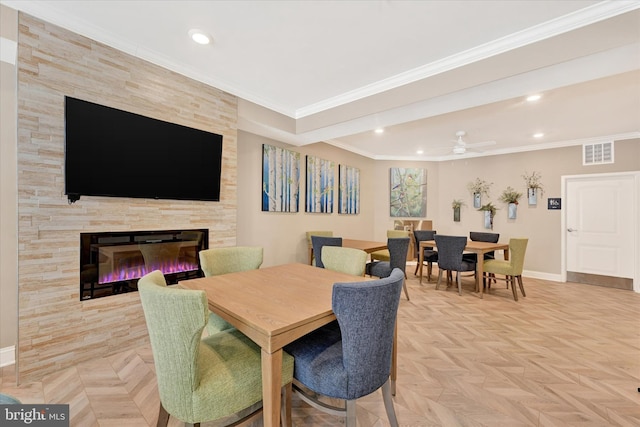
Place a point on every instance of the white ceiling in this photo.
(332, 71)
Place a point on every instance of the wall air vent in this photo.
(597, 154)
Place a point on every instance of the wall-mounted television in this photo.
(110, 152)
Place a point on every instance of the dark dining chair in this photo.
(398, 248)
(318, 242)
(450, 250)
(430, 255)
(351, 358)
(479, 236)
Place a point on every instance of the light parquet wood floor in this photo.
(566, 355)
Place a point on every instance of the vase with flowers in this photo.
(489, 212)
(511, 197)
(456, 205)
(479, 188)
(534, 186)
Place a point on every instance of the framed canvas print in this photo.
(348, 190)
(408, 192)
(280, 179)
(320, 182)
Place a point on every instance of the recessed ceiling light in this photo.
(533, 98)
(538, 135)
(199, 36)
(419, 152)
(379, 130)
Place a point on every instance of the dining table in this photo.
(365, 245)
(473, 246)
(274, 306)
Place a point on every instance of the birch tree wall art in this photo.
(408, 192)
(320, 182)
(280, 179)
(348, 190)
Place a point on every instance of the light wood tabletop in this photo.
(479, 248)
(273, 306)
(365, 245)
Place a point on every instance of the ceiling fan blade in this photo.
(480, 144)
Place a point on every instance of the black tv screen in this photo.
(110, 152)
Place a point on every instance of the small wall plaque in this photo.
(554, 203)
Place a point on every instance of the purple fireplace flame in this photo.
(112, 263)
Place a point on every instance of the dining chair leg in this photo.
(285, 415)
(429, 270)
(163, 417)
(459, 280)
(415, 273)
(439, 279)
(404, 286)
(513, 287)
(388, 404)
(521, 285)
(351, 413)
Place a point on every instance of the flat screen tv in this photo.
(110, 152)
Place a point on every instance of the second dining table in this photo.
(476, 247)
(273, 306)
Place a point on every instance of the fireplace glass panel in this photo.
(112, 263)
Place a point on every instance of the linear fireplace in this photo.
(112, 262)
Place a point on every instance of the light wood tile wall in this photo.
(56, 329)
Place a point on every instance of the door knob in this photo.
(571, 229)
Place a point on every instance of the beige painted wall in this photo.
(56, 329)
(448, 180)
(8, 189)
(283, 234)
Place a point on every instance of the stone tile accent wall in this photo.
(56, 329)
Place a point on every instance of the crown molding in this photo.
(554, 27)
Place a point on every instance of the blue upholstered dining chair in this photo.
(232, 259)
(325, 233)
(318, 242)
(351, 358)
(481, 236)
(200, 380)
(398, 248)
(450, 250)
(430, 255)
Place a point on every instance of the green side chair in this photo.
(512, 269)
(344, 260)
(216, 261)
(201, 380)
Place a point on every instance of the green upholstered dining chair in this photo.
(216, 261)
(383, 255)
(323, 233)
(344, 260)
(202, 379)
(512, 269)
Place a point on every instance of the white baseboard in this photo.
(7, 356)
(542, 275)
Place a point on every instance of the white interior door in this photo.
(600, 228)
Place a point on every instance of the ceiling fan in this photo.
(461, 147)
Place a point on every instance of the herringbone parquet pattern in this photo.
(566, 355)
